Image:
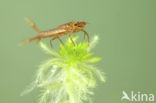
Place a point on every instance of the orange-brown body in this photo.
(68, 28)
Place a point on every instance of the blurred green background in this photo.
(127, 31)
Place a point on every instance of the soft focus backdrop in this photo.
(127, 45)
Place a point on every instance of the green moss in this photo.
(69, 75)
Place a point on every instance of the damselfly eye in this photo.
(75, 24)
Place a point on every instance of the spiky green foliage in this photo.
(69, 75)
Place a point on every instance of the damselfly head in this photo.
(80, 24)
